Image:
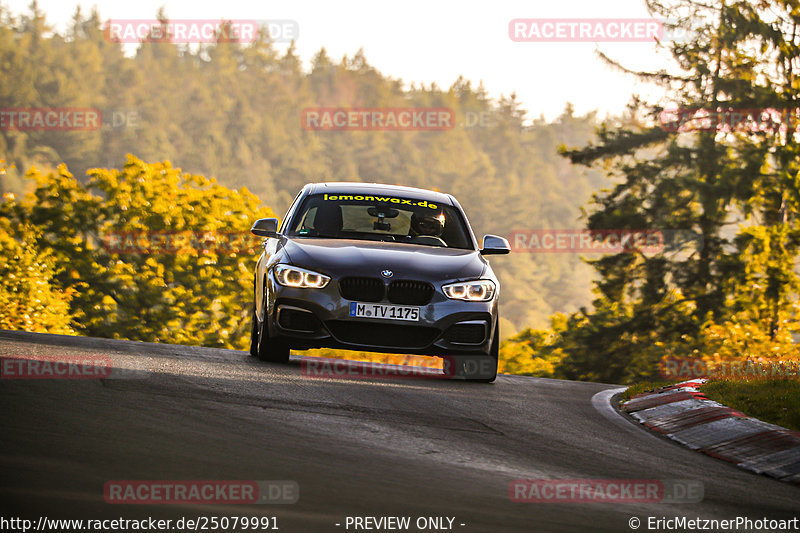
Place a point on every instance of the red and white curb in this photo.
(684, 414)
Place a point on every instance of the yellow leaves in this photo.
(28, 301)
(738, 347)
(530, 352)
(191, 294)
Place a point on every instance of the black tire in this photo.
(269, 349)
(254, 335)
(478, 368)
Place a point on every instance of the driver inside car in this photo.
(427, 229)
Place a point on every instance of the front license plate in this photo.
(387, 312)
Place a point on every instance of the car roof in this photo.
(348, 187)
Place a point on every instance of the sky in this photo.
(427, 41)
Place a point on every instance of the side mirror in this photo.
(265, 227)
(494, 245)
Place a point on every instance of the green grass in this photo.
(645, 386)
(773, 401)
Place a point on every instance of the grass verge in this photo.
(773, 401)
(645, 386)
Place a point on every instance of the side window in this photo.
(290, 212)
(306, 221)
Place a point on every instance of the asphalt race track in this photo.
(364, 447)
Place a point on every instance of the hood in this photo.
(344, 257)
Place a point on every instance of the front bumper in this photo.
(320, 318)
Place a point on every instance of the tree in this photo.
(28, 299)
(704, 181)
(156, 255)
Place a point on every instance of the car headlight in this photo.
(292, 276)
(481, 290)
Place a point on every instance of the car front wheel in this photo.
(266, 348)
(254, 335)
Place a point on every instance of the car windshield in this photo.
(380, 218)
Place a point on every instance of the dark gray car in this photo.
(379, 268)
